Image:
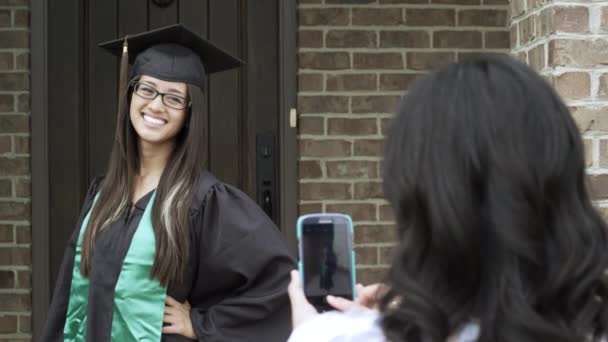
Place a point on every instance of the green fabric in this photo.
(139, 302)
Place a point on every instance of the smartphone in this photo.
(327, 258)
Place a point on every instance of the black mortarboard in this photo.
(171, 53)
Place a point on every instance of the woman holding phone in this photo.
(498, 240)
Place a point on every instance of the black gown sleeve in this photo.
(53, 330)
(239, 290)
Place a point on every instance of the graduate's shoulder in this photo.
(210, 187)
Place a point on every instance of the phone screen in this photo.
(326, 254)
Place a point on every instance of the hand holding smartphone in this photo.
(327, 259)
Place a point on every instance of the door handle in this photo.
(265, 173)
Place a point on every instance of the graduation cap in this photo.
(171, 53)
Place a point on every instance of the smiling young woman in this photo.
(163, 250)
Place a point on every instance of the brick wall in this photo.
(356, 58)
(15, 232)
(567, 42)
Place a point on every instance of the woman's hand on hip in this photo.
(177, 316)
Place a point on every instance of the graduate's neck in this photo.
(153, 158)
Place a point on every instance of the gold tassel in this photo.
(122, 82)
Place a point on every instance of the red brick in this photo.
(514, 36)
(25, 324)
(7, 103)
(603, 85)
(324, 60)
(352, 82)
(311, 125)
(14, 81)
(368, 190)
(6, 188)
(604, 23)
(603, 153)
(14, 39)
(390, 16)
(15, 256)
(353, 2)
(325, 148)
(382, 60)
(573, 85)
(430, 17)
(5, 18)
(369, 147)
(457, 39)
(310, 39)
(544, 23)
(6, 61)
(366, 255)
(386, 255)
(405, 39)
(23, 61)
(590, 118)
(22, 18)
(352, 127)
(399, 82)
(323, 16)
(19, 166)
(386, 213)
(371, 275)
(325, 191)
(374, 104)
(310, 82)
(384, 123)
(22, 144)
(309, 169)
(573, 19)
(24, 234)
(375, 233)
(7, 280)
(517, 8)
(404, 2)
(14, 124)
(497, 40)
(428, 60)
(14, 2)
(14, 211)
(598, 185)
(351, 39)
(310, 208)
(583, 53)
(456, 2)
(24, 279)
(358, 211)
(8, 324)
(360, 169)
(23, 103)
(588, 146)
(472, 17)
(6, 233)
(6, 144)
(15, 302)
(323, 104)
(537, 58)
(527, 30)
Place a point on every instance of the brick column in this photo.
(356, 58)
(15, 232)
(567, 42)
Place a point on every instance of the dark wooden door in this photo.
(242, 105)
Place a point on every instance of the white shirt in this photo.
(355, 326)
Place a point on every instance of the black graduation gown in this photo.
(236, 281)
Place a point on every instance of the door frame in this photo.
(40, 155)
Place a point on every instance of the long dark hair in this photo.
(170, 211)
(484, 169)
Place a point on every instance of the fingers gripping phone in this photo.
(327, 259)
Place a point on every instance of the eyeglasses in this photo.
(170, 100)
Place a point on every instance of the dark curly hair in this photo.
(484, 169)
